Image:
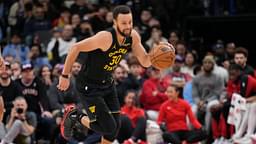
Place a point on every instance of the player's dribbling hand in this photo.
(63, 83)
(167, 44)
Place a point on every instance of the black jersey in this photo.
(9, 93)
(35, 95)
(98, 65)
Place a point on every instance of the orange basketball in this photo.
(162, 57)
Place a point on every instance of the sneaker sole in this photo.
(68, 109)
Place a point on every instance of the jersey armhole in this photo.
(113, 33)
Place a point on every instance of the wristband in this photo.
(64, 76)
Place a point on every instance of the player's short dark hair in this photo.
(242, 50)
(235, 67)
(121, 9)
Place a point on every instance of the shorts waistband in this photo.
(99, 82)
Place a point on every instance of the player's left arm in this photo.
(139, 51)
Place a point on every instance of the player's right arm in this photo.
(101, 40)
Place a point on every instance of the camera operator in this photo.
(21, 124)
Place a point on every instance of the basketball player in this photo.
(104, 52)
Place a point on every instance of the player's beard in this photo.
(122, 33)
(4, 76)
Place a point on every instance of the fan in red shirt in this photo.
(133, 121)
(173, 114)
(152, 93)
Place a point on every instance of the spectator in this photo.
(245, 85)
(84, 30)
(17, 11)
(176, 77)
(38, 22)
(80, 7)
(145, 17)
(226, 64)
(238, 83)
(133, 121)
(21, 123)
(156, 37)
(64, 18)
(173, 114)
(97, 18)
(8, 89)
(219, 52)
(75, 21)
(36, 57)
(221, 72)
(58, 47)
(152, 94)
(50, 9)
(240, 57)
(187, 90)
(134, 80)
(174, 37)
(119, 77)
(16, 70)
(154, 22)
(109, 19)
(56, 71)
(190, 63)
(56, 32)
(181, 49)
(207, 88)
(45, 75)
(230, 51)
(34, 91)
(16, 49)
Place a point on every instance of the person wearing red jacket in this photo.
(239, 82)
(173, 114)
(152, 94)
(133, 121)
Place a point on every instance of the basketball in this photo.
(162, 57)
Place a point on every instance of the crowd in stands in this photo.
(211, 100)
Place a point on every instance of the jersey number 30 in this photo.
(115, 60)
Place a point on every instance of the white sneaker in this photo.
(228, 141)
(236, 137)
(221, 140)
(244, 140)
(216, 141)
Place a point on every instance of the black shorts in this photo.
(100, 100)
